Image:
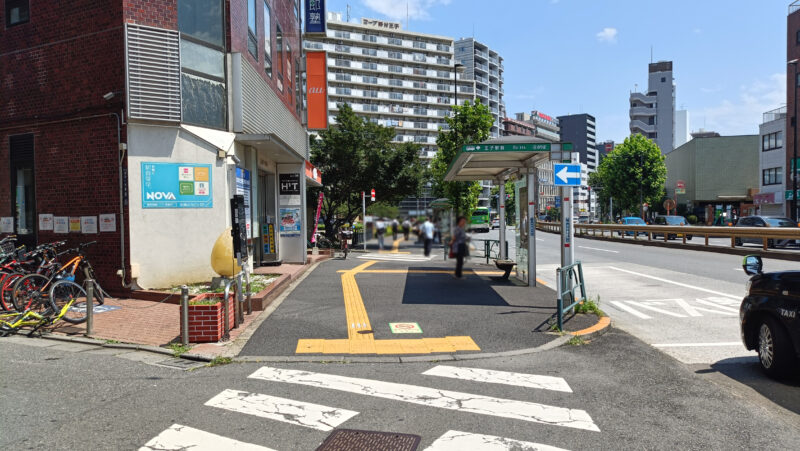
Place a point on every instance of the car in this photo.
(664, 220)
(632, 220)
(769, 317)
(764, 221)
(496, 223)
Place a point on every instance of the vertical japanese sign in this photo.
(315, 16)
(317, 92)
(316, 218)
(268, 237)
(243, 188)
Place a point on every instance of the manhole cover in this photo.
(183, 364)
(355, 440)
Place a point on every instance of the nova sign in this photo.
(176, 185)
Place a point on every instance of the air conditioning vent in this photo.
(154, 73)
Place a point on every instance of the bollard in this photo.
(249, 296)
(89, 307)
(225, 317)
(184, 315)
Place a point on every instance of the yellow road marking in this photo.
(396, 245)
(360, 338)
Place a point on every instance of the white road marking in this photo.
(501, 377)
(597, 249)
(692, 345)
(539, 239)
(396, 257)
(314, 416)
(444, 399)
(460, 441)
(674, 283)
(625, 308)
(179, 438)
(688, 308)
(656, 309)
(721, 308)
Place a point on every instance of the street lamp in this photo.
(794, 143)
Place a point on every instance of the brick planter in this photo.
(206, 322)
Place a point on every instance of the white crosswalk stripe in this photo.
(395, 257)
(460, 441)
(300, 413)
(501, 377)
(445, 399)
(179, 438)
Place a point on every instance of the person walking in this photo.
(395, 226)
(406, 228)
(427, 235)
(458, 245)
(381, 226)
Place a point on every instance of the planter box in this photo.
(206, 322)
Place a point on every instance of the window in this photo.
(371, 80)
(663, 79)
(17, 12)
(203, 88)
(268, 39)
(395, 41)
(771, 176)
(252, 28)
(798, 37)
(343, 63)
(23, 193)
(370, 66)
(279, 65)
(341, 34)
(420, 45)
(395, 82)
(289, 74)
(369, 52)
(298, 91)
(396, 55)
(342, 77)
(369, 38)
(343, 91)
(342, 48)
(396, 69)
(396, 95)
(771, 141)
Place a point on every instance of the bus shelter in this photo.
(498, 160)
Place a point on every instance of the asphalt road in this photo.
(622, 395)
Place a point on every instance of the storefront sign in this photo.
(176, 185)
(88, 224)
(61, 224)
(74, 224)
(316, 218)
(243, 188)
(315, 16)
(7, 224)
(290, 222)
(317, 94)
(45, 222)
(108, 223)
(289, 189)
(268, 238)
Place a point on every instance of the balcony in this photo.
(642, 98)
(641, 127)
(642, 111)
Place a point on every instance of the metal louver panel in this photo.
(154, 73)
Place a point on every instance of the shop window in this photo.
(17, 12)
(267, 39)
(279, 56)
(252, 29)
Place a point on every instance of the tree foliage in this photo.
(511, 196)
(469, 124)
(632, 170)
(356, 155)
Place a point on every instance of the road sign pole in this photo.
(531, 229)
(364, 217)
(501, 207)
(567, 250)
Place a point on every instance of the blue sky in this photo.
(586, 56)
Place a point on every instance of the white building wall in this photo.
(775, 158)
(682, 130)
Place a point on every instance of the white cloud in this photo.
(396, 9)
(607, 35)
(742, 115)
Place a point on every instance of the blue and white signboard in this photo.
(243, 188)
(567, 174)
(176, 185)
(315, 16)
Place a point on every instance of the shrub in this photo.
(692, 219)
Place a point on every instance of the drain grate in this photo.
(355, 440)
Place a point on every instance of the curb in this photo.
(602, 326)
(130, 346)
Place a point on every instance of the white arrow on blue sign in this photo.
(567, 174)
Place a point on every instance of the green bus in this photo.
(480, 220)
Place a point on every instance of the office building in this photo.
(396, 78)
(138, 122)
(579, 129)
(652, 113)
(772, 163)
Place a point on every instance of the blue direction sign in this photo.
(567, 174)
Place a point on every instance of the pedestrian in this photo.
(437, 231)
(381, 226)
(427, 235)
(406, 228)
(395, 227)
(458, 244)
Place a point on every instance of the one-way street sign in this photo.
(567, 174)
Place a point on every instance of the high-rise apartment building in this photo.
(396, 78)
(652, 113)
(579, 129)
(485, 66)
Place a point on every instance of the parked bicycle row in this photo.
(39, 288)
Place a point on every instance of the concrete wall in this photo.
(173, 245)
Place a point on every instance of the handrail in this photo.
(763, 233)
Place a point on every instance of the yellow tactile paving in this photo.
(463, 343)
(314, 346)
(336, 346)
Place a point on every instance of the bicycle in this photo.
(38, 261)
(345, 236)
(26, 289)
(63, 297)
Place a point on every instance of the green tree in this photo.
(633, 173)
(469, 124)
(356, 155)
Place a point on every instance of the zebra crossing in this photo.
(326, 418)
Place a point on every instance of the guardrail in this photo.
(768, 235)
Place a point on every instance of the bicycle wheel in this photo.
(5, 300)
(62, 293)
(26, 292)
(7, 287)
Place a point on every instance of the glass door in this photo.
(23, 189)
